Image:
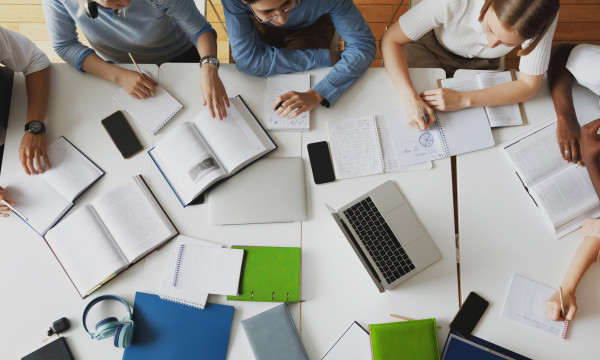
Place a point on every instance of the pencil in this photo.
(138, 68)
(578, 163)
(562, 306)
(14, 210)
(406, 318)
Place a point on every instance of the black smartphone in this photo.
(122, 134)
(320, 162)
(469, 314)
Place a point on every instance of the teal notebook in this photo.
(166, 330)
(405, 340)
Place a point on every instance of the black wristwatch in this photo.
(35, 127)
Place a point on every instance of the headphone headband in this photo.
(99, 299)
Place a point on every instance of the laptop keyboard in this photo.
(379, 240)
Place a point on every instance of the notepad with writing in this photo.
(278, 85)
(168, 330)
(404, 340)
(273, 335)
(453, 133)
(153, 112)
(354, 344)
(105, 237)
(198, 269)
(269, 274)
(364, 146)
(44, 199)
(526, 304)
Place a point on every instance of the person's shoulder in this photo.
(584, 58)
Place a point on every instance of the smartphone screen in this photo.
(469, 314)
(320, 162)
(122, 134)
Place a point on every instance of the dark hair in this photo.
(529, 18)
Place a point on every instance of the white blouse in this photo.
(457, 29)
(20, 54)
(584, 64)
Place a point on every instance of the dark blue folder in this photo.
(165, 330)
(459, 348)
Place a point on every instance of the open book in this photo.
(153, 112)
(563, 191)
(195, 155)
(44, 199)
(454, 133)
(103, 238)
(364, 146)
(505, 115)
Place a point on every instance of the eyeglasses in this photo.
(283, 9)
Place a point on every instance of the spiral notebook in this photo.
(199, 268)
(270, 274)
(453, 133)
(153, 112)
(278, 85)
(526, 304)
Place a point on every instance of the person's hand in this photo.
(568, 135)
(590, 141)
(444, 99)
(3, 208)
(414, 116)
(553, 306)
(136, 85)
(32, 151)
(213, 91)
(294, 103)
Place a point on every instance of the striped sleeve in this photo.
(428, 15)
(536, 62)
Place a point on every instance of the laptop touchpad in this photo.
(404, 224)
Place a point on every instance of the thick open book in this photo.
(563, 191)
(505, 115)
(453, 133)
(105, 237)
(365, 146)
(44, 199)
(195, 155)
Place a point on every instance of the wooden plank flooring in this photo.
(579, 22)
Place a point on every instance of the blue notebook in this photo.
(459, 348)
(166, 330)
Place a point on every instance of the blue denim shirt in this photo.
(154, 31)
(254, 57)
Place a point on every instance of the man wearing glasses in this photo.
(269, 37)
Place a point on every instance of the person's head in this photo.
(274, 11)
(512, 22)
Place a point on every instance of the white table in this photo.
(35, 289)
(503, 233)
(336, 287)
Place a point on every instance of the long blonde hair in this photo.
(531, 19)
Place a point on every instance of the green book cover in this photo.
(269, 274)
(405, 340)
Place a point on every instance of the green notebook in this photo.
(269, 274)
(405, 340)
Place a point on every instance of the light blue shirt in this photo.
(254, 57)
(154, 31)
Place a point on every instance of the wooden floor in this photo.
(579, 22)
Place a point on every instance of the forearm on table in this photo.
(95, 65)
(513, 92)
(37, 84)
(584, 257)
(561, 83)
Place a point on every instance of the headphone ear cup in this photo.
(123, 335)
(106, 328)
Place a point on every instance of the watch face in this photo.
(34, 127)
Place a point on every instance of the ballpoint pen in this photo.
(425, 117)
(14, 210)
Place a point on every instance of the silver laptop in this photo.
(386, 235)
(270, 190)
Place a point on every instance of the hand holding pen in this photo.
(139, 85)
(418, 114)
(7, 204)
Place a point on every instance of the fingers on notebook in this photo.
(553, 308)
